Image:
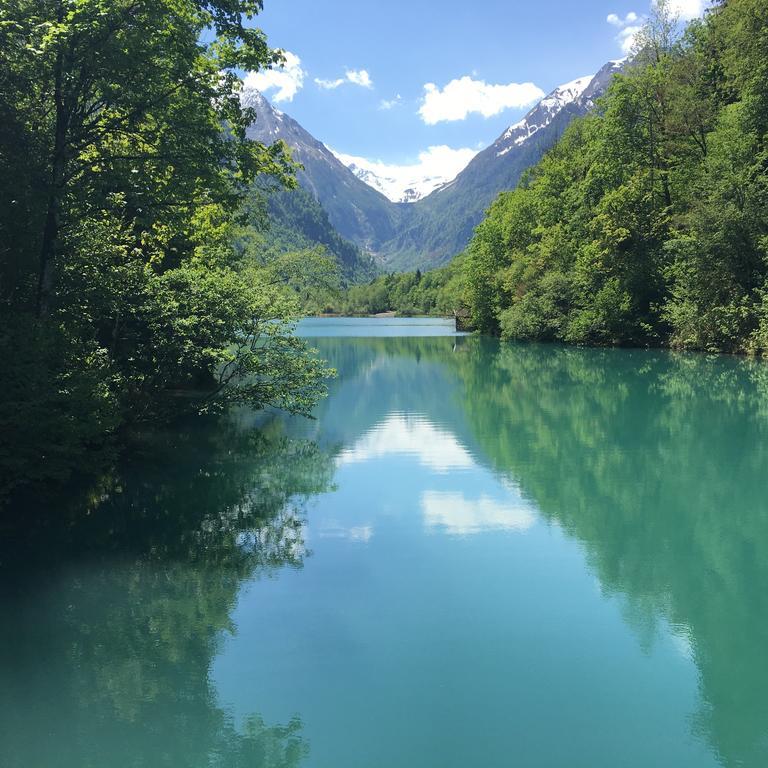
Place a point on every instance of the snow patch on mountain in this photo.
(408, 183)
(566, 93)
(542, 114)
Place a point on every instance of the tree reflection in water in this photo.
(133, 586)
(658, 463)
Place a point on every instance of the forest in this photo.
(134, 284)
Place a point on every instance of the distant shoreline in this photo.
(382, 315)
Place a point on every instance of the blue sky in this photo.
(360, 71)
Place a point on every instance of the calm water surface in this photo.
(476, 555)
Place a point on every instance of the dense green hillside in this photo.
(296, 221)
(648, 223)
(437, 292)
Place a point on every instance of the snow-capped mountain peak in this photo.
(542, 114)
(568, 92)
(396, 187)
(436, 166)
(399, 190)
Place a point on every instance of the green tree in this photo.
(122, 287)
(646, 223)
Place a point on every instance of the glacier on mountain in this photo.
(410, 182)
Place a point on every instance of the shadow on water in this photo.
(113, 610)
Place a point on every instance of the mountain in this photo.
(541, 115)
(427, 233)
(399, 189)
(441, 224)
(356, 210)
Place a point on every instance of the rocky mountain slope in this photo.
(356, 210)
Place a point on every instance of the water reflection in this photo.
(113, 610)
(658, 463)
(454, 513)
(335, 530)
(478, 512)
(410, 435)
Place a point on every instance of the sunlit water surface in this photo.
(476, 555)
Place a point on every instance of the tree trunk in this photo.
(50, 242)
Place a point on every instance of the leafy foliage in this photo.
(646, 223)
(122, 294)
(411, 293)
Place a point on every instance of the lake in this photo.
(477, 554)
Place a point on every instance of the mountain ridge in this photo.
(436, 227)
(357, 211)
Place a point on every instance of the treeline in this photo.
(131, 286)
(647, 224)
(438, 292)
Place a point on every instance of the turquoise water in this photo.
(476, 555)
(368, 327)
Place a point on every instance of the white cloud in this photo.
(390, 103)
(286, 80)
(435, 166)
(359, 77)
(355, 76)
(688, 9)
(466, 95)
(452, 512)
(617, 21)
(330, 84)
(628, 28)
(627, 38)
